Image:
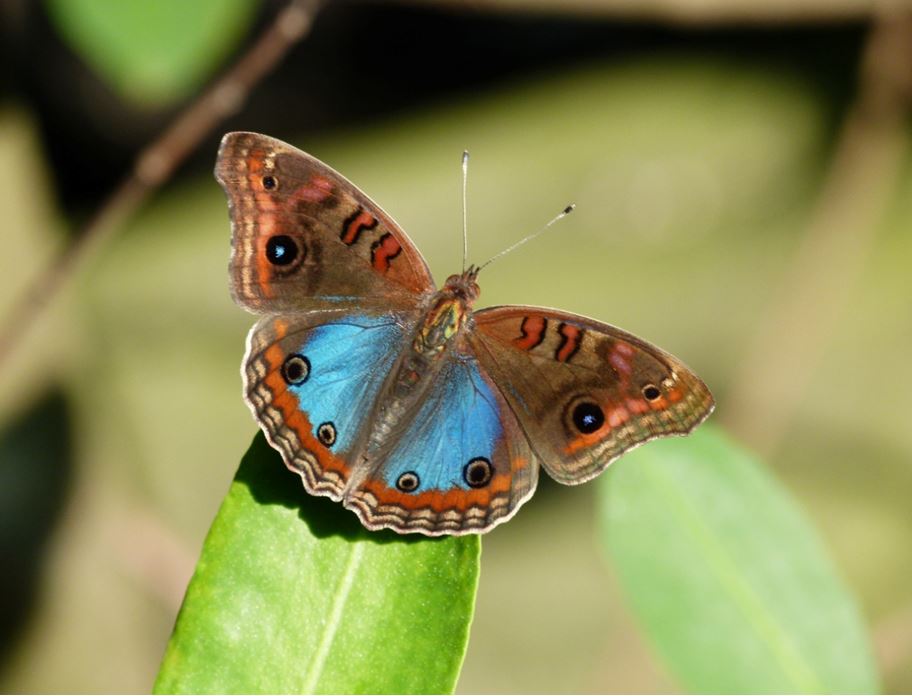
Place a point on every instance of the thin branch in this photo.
(145, 549)
(778, 367)
(893, 641)
(156, 163)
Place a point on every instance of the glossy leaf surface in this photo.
(292, 595)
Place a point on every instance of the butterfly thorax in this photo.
(449, 311)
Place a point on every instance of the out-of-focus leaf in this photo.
(36, 467)
(152, 52)
(292, 595)
(728, 578)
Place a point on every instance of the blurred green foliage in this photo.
(732, 584)
(36, 470)
(152, 53)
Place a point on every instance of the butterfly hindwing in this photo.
(312, 380)
(460, 464)
(585, 392)
(301, 232)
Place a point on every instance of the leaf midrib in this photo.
(331, 627)
(742, 594)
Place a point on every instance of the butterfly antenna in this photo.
(465, 217)
(564, 213)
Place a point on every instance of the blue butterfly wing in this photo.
(312, 379)
(460, 463)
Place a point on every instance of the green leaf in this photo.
(727, 576)
(292, 595)
(152, 52)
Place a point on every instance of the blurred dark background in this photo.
(366, 60)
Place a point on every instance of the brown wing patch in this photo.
(356, 255)
(585, 392)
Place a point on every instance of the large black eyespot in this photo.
(408, 482)
(588, 417)
(281, 250)
(651, 392)
(326, 433)
(269, 182)
(478, 472)
(295, 369)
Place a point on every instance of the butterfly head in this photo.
(463, 287)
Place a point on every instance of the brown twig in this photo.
(157, 162)
(147, 551)
(893, 641)
(777, 368)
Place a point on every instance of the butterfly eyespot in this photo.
(326, 434)
(281, 250)
(408, 482)
(588, 417)
(295, 369)
(478, 472)
(651, 392)
(269, 182)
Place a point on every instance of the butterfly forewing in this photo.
(305, 237)
(585, 392)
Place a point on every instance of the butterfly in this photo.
(398, 399)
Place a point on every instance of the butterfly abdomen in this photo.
(436, 337)
(418, 366)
